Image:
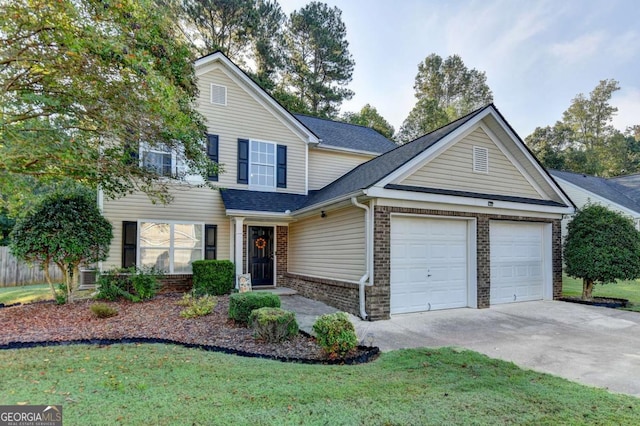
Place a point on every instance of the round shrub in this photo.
(102, 310)
(335, 334)
(241, 304)
(273, 325)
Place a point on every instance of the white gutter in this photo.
(363, 280)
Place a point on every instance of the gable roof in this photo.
(620, 190)
(257, 91)
(346, 136)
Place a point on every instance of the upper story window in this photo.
(218, 94)
(262, 164)
(159, 159)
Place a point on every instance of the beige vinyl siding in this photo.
(199, 205)
(453, 169)
(332, 247)
(327, 166)
(244, 117)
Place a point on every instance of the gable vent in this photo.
(480, 159)
(218, 94)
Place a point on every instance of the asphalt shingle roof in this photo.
(239, 199)
(621, 190)
(348, 136)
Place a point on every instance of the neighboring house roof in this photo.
(346, 136)
(239, 199)
(617, 190)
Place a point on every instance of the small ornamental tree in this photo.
(602, 246)
(65, 228)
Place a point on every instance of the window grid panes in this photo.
(158, 160)
(263, 164)
(171, 247)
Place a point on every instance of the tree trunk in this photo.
(587, 289)
(47, 277)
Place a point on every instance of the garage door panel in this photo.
(516, 262)
(428, 264)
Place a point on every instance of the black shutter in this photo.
(210, 241)
(212, 152)
(133, 153)
(129, 243)
(282, 166)
(243, 161)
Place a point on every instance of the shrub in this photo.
(213, 277)
(61, 294)
(335, 334)
(273, 324)
(186, 300)
(241, 304)
(132, 284)
(102, 310)
(198, 306)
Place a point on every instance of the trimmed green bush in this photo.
(241, 304)
(197, 306)
(214, 277)
(102, 310)
(273, 325)
(131, 283)
(335, 334)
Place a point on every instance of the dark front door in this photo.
(261, 255)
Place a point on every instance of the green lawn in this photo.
(622, 289)
(25, 294)
(171, 385)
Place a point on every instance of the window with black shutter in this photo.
(129, 243)
(210, 241)
(282, 166)
(212, 153)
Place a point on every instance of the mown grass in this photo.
(25, 294)
(171, 385)
(629, 290)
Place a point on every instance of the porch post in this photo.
(238, 249)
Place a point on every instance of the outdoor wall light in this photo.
(490, 203)
(323, 214)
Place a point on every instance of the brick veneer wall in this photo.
(339, 294)
(176, 283)
(378, 305)
(282, 247)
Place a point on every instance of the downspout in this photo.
(365, 277)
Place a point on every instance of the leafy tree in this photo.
(602, 246)
(448, 88)
(319, 64)
(268, 44)
(83, 82)
(6, 225)
(585, 140)
(369, 117)
(66, 228)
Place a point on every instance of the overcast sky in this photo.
(538, 55)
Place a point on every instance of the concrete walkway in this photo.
(590, 345)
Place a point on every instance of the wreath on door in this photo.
(261, 243)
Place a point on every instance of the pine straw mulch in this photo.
(154, 321)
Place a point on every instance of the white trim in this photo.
(466, 201)
(257, 214)
(472, 243)
(613, 204)
(256, 92)
(306, 170)
(317, 206)
(263, 188)
(171, 240)
(238, 247)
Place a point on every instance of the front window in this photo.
(262, 164)
(171, 247)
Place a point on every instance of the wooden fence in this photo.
(16, 273)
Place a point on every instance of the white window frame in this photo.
(274, 166)
(146, 148)
(171, 247)
(218, 87)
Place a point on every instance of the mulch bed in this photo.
(154, 321)
(607, 302)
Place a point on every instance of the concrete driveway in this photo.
(590, 345)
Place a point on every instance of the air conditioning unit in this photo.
(87, 279)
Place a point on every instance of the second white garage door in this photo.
(428, 264)
(517, 272)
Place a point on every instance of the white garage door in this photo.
(517, 273)
(428, 264)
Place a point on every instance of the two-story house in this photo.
(464, 216)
